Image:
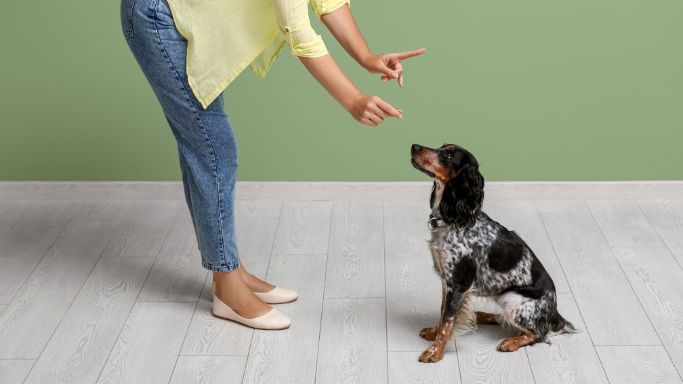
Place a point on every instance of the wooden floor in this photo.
(112, 291)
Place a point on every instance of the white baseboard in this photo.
(275, 190)
(495, 190)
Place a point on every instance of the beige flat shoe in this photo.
(275, 296)
(273, 320)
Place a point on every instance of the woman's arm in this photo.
(293, 19)
(343, 27)
(369, 110)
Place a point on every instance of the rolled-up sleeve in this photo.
(292, 16)
(322, 7)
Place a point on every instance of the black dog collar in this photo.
(434, 223)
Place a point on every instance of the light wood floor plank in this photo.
(3, 206)
(148, 346)
(256, 227)
(353, 343)
(667, 218)
(413, 290)
(255, 237)
(570, 358)
(404, 368)
(30, 319)
(623, 223)
(27, 230)
(658, 282)
(638, 365)
(480, 362)
(304, 227)
(177, 274)
(355, 266)
(81, 344)
(14, 371)
(257, 209)
(102, 210)
(609, 306)
(522, 217)
(210, 335)
(289, 356)
(143, 229)
(209, 370)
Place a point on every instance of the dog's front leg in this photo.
(429, 333)
(452, 302)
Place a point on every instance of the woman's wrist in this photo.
(367, 60)
(348, 101)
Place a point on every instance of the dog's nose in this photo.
(415, 148)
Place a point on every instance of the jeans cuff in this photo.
(221, 268)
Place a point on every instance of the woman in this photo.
(190, 51)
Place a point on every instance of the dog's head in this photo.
(456, 174)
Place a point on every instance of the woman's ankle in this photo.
(235, 293)
(256, 284)
(253, 282)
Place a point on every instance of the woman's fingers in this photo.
(367, 122)
(399, 69)
(389, 71)
(375, 119)
(372, 110)
(388, 109)
(390, 64)
(374, 114)
(409, 54)
(377, 111)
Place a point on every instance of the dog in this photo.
(476, 256)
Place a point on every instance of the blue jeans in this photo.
(206, 145)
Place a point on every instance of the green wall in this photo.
(539, 90)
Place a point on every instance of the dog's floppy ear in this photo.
(432, 198)
(463, 196)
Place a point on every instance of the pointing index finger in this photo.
(409, 54)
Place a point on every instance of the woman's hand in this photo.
(371, 110)
(344, 28)
(389, 64)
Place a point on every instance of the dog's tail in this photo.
(560, 325)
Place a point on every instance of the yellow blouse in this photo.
(225, 36)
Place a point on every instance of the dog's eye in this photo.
(449, 155)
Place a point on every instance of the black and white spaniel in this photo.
(476, 256)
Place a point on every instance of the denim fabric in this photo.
(206, 145)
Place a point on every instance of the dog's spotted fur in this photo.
(475, 255)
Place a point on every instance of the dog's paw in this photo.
(428, 334)
(508, 345)
(432, 355)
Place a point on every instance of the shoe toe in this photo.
(287, 294)
(278, 295)
(279, 320)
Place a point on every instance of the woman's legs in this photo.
(206, 146)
